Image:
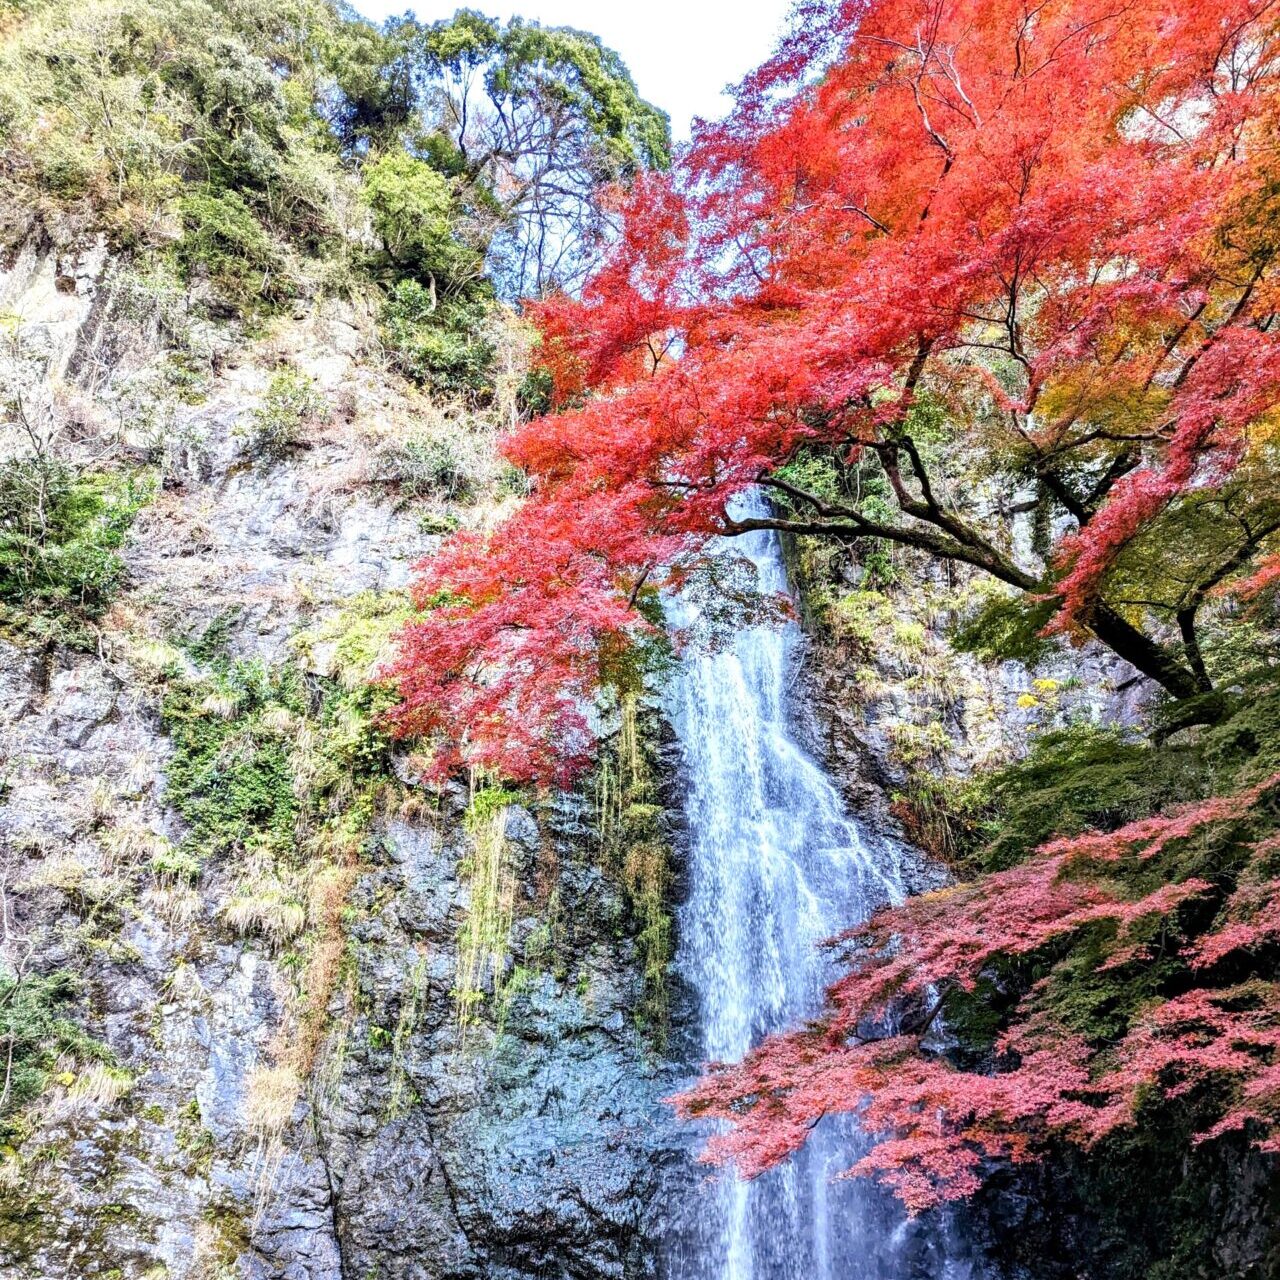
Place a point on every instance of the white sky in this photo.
(681, 52)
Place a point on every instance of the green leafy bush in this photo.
(418, 220)
(175, 865)
(60, 535)
(1072, 780)
(231, 781)
(223, 240)
(114, 108)
(1005, 627)
(534, 395)
(440, 344)
(34, 1033)
(290, 403)
(424, 466)
(264, 756)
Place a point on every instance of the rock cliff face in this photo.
(526, 1140)
(536, 1149)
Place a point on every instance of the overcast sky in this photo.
(681, 52)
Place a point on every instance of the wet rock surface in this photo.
(534, 1147)
(532, 1143)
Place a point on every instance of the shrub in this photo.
(223, 240)
(1005, 627)
(60, 535)
(423, 466)
(534, 395)
(174, 866)
(1073, 780)
(863, 617)
(290, 404)
(418, 220)
(34, 1034)
(440, 344)
(231, 783)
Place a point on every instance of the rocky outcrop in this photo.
(528, 1141)
(886, 700)
(534, 1147)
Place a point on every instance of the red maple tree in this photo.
(942, 1123)
(1051, 223)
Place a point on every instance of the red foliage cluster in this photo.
(1053, 217)
(1262, 581)
(510, 645)
(942, 1123)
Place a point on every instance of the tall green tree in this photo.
(540, 121)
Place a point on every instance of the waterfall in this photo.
(776, 866)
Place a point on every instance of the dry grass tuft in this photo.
(13, 1176)
(271, 1093)
(265, 908)
(62, 871)
(104, 801)
(178, 904)
(100, 1085)
(220, 705)
(278, 720)
(129, 844)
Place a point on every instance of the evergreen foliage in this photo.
(251, 142)
(61, 531)
(229, 777)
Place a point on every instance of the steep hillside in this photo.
(271, 1008)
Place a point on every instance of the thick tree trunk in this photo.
(1140, 651)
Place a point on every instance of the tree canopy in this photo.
(1015, 262)
(248, 146)
(543, 118)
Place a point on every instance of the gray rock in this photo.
(81, 698)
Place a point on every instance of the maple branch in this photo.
(1063, 492)
(1120, 466)
(858, 209)
(1191, 647)
(846, 523)
(1106, 623)
(1187, 612)
(640, 581)
(1232, 316)
(1141, 652)
(1171, 343)
(928, 509)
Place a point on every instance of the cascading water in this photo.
(776, 866)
